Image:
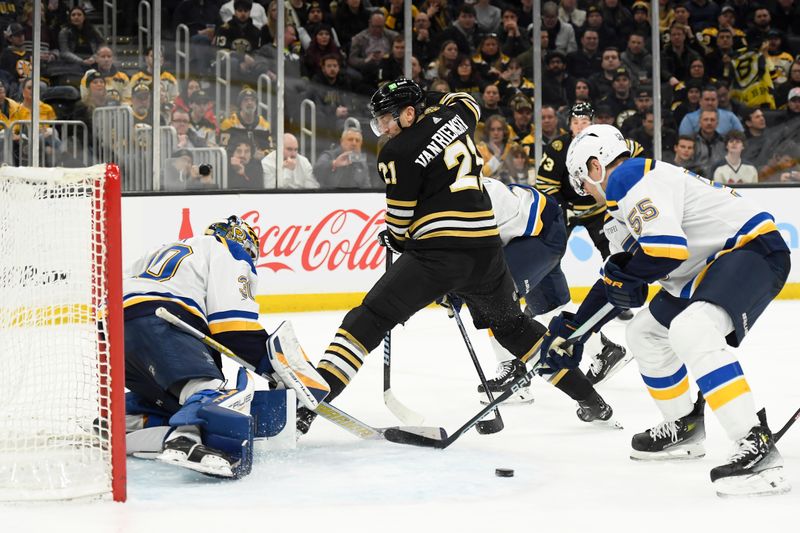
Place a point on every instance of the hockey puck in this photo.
(504, 472)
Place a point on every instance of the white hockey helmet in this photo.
(601, 141)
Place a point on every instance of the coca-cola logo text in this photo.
(327, 245)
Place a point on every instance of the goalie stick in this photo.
(333, 414)
(523, 381)
(403, 413)
(493, 425)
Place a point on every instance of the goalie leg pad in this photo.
(294, 368)
(274, 413)
(223, 417)
(230, 432)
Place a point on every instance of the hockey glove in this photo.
(451, 302)
(554, 353)
(622, 289)
(387, 240)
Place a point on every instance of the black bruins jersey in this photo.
(552, 177)
(434, 196)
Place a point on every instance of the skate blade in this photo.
(678, 453)
(611, 423)
(768, 482)
(210, 466)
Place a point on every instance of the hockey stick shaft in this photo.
(471, 350)
(522, 381)
(787, 425)
(326, 410)
(387, 340)
(398, 409)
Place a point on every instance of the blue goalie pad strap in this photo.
(269, 412)
(188, 414)
(230, 432)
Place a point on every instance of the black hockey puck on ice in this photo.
(504, 472)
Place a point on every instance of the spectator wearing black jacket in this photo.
(331, 91)
(464, 31)
(202, 18)
(351, 18)
(557, 85)
(586, 61)
(677, 56)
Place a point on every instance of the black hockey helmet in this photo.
(582, 109)
(392, 98)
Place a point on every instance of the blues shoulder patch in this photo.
(626, 176)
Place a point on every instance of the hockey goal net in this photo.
(62, 428)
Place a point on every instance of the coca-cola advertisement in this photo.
(309, 244)
(320, 251)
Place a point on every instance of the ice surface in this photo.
(569, 476)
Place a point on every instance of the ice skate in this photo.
(305, 417)
(508, 372)
(611, 359)
(679, 439)
(595, 410)
(754, 469)
(188, 453)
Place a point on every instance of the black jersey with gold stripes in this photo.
(552, 177)
(434, 195)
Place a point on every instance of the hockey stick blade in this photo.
(403, 413)
(412, 437)
(331, 413)
(520, 382)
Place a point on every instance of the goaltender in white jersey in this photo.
(697, 239)
(176, 381)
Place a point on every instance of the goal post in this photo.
(62, 415)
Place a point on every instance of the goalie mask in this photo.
(237, 230)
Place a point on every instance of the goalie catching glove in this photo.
(556, 352)
(623, 290)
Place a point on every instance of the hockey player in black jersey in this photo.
(440, 217)
(552, 179)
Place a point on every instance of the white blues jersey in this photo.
(519, 210)
(670, 212)
(208, 281)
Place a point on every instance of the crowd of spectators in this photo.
(730, 94)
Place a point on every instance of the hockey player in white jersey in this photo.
(534, 240)
(720, 260)
(176, 380)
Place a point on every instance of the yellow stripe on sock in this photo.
(329, 367)
(672, 392)
(344, 353)
(353, 340)
(727, 393)
(558, 376)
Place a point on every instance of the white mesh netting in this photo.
(53, 355)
